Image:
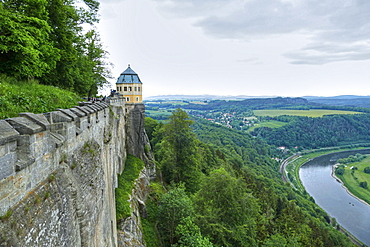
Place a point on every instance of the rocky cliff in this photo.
(130, 232)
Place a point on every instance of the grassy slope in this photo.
(308, 113)
(269, 124)
(17, 97)
(352, 182)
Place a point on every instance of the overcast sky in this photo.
(241, 47)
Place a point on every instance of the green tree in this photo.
(150, 124)
(174, 206)
(226, 212)
(26, 47)
(363, 184)
(340, 170)
(178, 152)
(81, 66)
(367, 170)
(189, 235)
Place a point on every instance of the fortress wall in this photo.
(58, 175)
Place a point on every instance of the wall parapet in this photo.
(32, 145)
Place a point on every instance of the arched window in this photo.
(127, 99)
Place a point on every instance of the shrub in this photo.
(363, 184)
(367, 170)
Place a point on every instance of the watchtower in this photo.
(130, 86)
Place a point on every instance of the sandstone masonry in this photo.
(58, 173)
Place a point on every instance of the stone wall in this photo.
(58, 175)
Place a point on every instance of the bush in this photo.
(363, 184)
(339, 171)
(367, 170)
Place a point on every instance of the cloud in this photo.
(337, 30)
(251, 60)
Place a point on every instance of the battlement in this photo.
(33, 145)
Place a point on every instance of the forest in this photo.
(53, 42)
(310, 133)
(221, 187)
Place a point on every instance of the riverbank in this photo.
(298, 160)
(344, 186)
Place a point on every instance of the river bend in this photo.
(329, 194)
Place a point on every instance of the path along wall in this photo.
(58, 175)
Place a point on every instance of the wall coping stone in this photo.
(57, 117)
(82, 109)
(69, 113)
(24, 125)
(88, 109)
(7, 133)
(94, 108)
(39, 119)
(78, 112)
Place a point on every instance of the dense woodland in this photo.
(222, 188)
(267, 103)
(54, 42)
(326, 131)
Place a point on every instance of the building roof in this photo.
(128, 76)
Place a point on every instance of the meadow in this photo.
(269, 124)
(352, 178)
(302, 113)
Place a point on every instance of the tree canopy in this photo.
(45, 40)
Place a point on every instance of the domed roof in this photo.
(128, 76)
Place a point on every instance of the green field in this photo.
(352, 179)
(302, 113)
(269, 124)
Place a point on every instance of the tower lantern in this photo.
(130, 86)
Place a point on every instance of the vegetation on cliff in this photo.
(126, 180)
(233, 191)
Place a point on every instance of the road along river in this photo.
(329, 194)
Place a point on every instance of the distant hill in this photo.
(202, 97)
(342, 100)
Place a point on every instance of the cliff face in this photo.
(58, 174)
(129, 230)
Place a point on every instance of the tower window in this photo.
(125, 89)
(137, 98)
(129, 88)
(135, 89)
(138, 89)
(128, 99)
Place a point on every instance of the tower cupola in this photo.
(130, 86)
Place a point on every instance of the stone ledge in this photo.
(24, 125)
(39, 119)
(7, 133)
(69, 113)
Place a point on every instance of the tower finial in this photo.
(129, 65)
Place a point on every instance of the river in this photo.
(329, 194)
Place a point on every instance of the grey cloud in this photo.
(341, 23)
(251, 60)
(319, 54)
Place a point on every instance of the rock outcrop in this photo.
(129, 230)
